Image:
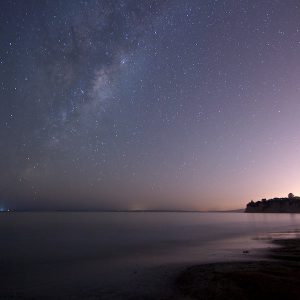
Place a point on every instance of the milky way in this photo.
(148, 104)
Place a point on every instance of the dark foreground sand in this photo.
(278, 277)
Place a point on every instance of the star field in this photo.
(148, 104)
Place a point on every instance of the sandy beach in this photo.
(275, 277)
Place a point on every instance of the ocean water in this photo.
(99, 255)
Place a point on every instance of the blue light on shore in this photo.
(4, 210)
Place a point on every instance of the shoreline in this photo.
(227, 266)
(275, 276)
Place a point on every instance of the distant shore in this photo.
(275, 277)
(126, 211)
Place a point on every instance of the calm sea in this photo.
(70, 255)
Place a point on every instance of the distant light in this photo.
(123, 61)
(4, 210)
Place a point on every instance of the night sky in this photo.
(148, 104)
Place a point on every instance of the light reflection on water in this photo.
(36, 237)
(43, 251)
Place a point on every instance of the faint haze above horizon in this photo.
(190, 105)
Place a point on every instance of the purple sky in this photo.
(148, 104)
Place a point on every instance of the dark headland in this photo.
(290, 204)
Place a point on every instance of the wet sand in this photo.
(275, 277)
